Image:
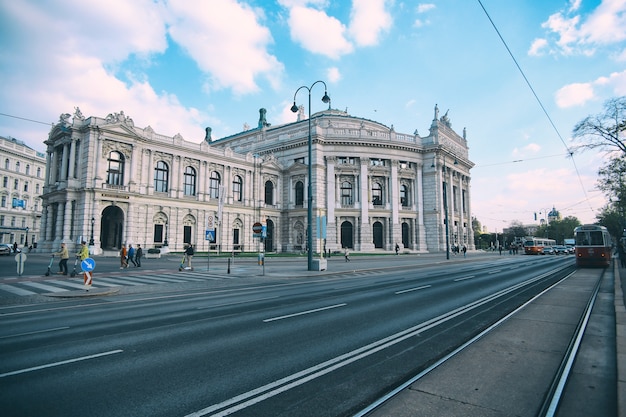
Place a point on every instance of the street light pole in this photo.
(294, 109)
(91, 242)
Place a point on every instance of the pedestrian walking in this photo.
(123, 257)
(464, 251)
(346, 254)
(138, 256)
(397, 248)
(65, 255)
(131, 255)
(189, 254)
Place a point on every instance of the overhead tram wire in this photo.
(26, 119)
(569, 151)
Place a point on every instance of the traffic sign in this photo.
(88, 264)
(209, 235)
(257, 227)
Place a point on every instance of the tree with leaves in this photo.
(606, 130)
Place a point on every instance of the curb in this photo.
(620, 342)
(96, 292)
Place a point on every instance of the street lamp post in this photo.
(294, 109)
(91, 242)
(26, 242)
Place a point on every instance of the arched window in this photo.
(377, 194)
(346, 194)
(237, 188)
(6, 163)
(299, 194)
(38, 172)
(27, 169)
(190, 181)
(17, 166)
(269, 193)
(404, 195)
(161, 177)
(115, 171)
(214, 185)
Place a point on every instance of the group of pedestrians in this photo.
(64, 255)
(133, 255)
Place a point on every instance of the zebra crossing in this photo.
(25, 287)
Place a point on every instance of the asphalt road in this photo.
(321, 345)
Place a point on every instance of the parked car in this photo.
(5, 249)
(561, 250)
(548, 250)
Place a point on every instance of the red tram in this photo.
(535, 245)
(593, 245)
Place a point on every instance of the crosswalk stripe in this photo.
(60, 285)
(152, 280)
(43, 286)
(68, 284)
(117, 281)
(16, 290)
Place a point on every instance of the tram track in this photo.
(552, 395)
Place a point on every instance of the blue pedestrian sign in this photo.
(88, 264)
(209, 235)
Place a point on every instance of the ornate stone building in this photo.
(110, 182)
(22, 171)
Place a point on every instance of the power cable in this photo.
(569, 151)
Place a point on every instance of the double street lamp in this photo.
(294, 109)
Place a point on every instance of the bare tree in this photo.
(604, 131)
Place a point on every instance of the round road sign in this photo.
(257, 227)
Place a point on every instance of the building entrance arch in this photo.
(377, 229)
(347, 235)
(111, 228)
(406, 233)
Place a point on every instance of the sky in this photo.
(182, 65)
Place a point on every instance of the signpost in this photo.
(20, 258)
(88, 265)
(258, 230)
(209, 236)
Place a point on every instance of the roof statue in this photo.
(207, 135)
(262, 120)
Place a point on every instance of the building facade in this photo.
(110, 182)
(22, 172)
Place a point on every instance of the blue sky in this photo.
(182, 65)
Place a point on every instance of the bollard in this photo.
(229, 265)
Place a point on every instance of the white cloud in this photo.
(425, 7)
(577, 94)
(61, 56)
(318, 33)
(234, 58)
(578, 34)
(333, 75)
(368, 20)
(537, 47)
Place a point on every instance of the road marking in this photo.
(35, 332)
(67, 284)
(414, 289)
(16, 290)
(495, 272)
(50, 365)
(464, 278)
(43, 286)
(237, 302)
(304, 312)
